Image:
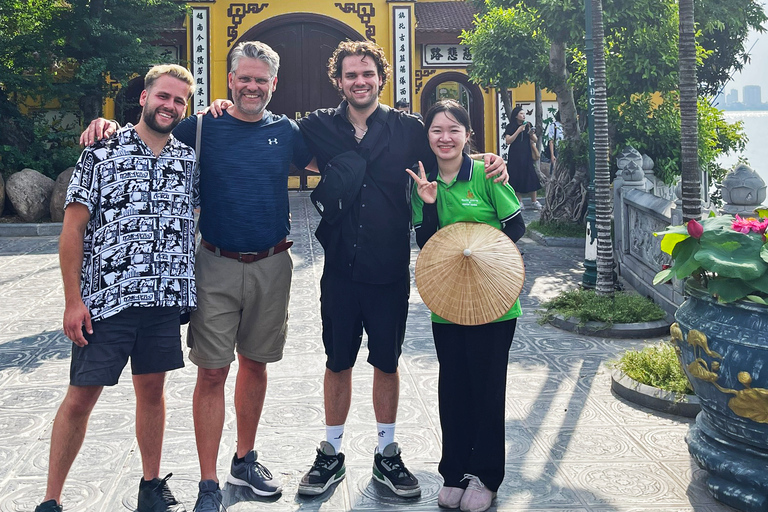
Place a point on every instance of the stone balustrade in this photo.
(643, 205)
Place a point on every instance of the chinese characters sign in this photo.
(199, 51)
(446, 55)
(503, 121)
(402, 53)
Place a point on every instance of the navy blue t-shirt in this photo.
(244, 178)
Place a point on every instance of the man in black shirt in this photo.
(366, 281)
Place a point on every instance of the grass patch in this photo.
(558, 229)
(587, 306)
(657, 366)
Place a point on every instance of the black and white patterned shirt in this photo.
(139, 245)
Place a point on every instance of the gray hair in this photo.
(255, 50)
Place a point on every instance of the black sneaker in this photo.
(253, 474)
(327, 469)
(49, 506)
(388, 468)
(209, 497)
(155, 496)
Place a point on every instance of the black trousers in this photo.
(471, 391)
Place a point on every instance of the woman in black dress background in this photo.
(522, 176)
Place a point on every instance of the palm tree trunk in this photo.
(603, 203)
(690, 176)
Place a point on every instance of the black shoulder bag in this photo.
(343, 176)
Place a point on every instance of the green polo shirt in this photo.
(470, 197)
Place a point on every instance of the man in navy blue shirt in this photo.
(243, 267)
(366, 281)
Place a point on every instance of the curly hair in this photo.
(367, 48)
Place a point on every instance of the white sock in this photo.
(386, 435)
(334, 435)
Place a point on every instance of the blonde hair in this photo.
(173, 70)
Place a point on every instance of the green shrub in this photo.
(657, 366)
(587, 306)
(53, 148)
(558, 228)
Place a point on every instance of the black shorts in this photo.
(150, 336)
(348, 307)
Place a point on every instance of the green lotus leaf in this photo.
(761, 283)
(764, 252)
(683, 254)
(728, 289)
(672, 238)
(731, 254)
(715, 223)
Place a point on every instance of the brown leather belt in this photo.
(249, 257)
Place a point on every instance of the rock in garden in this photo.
(30, 194)
(60, 195)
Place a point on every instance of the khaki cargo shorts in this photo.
(240, 306)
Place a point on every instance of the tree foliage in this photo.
(70, 54)
(641, 50)
(724, 26)
(77, 51)
(508, 48)
(651, 124)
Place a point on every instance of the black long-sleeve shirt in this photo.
(372, 243)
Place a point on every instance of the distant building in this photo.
(732, 97)
(752, 96)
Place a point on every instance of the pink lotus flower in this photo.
(749, 224)
(695, 229)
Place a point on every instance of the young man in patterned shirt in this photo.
(127, 257)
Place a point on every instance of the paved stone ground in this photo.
(571, 445)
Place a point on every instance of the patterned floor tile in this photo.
(571, 446)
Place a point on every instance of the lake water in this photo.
(756, 128)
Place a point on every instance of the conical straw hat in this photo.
(470, 273)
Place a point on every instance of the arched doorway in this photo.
(456, 86)
(304, 42)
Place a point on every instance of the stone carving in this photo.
(627, 155)
(743, 190)
(59, 195)
(647, 163)
(30, 194)
(632, 172)
(642, 244)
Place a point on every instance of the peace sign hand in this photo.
(426, 189)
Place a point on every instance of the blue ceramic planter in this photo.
(724, 350)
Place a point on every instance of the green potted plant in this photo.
(721, 333)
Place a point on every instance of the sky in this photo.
(756, 72)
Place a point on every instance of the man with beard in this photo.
(366, 280)
(243, 267)
(107, 324)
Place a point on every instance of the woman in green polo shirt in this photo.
(473, 359)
